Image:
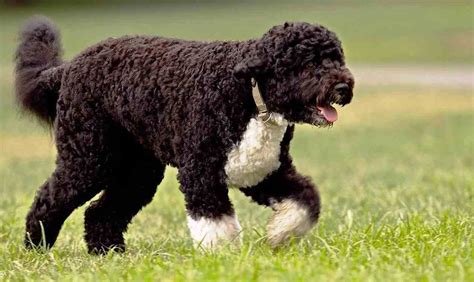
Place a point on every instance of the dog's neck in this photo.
(258, 99)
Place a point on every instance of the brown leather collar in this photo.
(258, 99)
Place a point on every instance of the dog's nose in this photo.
(342, 88)
(342, 93)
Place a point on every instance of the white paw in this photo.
(210, 233)
(290, 219)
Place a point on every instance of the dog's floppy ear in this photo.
(250, 67)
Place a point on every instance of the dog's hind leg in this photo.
(55, 200)
(82, 170)
(135, 184)
(293, 198)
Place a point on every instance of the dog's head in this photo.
(301, 72)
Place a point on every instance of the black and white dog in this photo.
(223, 113)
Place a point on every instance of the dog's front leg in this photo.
(293, 198)
(211, 218)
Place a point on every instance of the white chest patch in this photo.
(257, 154)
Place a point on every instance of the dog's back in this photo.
(156, 88)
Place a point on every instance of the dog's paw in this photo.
(290, 219)
(211, 233)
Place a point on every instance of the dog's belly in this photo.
(258, 152)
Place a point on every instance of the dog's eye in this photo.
(310, 65)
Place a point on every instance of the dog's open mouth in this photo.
(322, 115)
(328, 112)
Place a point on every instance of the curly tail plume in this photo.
(38, 71)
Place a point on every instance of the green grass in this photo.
(396, 173)
(419, 31)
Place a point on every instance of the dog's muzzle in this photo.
(326, 114)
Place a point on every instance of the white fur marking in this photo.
(258, 153)
(290, 219)
(210, 233)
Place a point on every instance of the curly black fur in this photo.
(126, 107)
(37, 83)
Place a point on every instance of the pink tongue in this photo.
(329, 113)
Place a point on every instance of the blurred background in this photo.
(404, 148)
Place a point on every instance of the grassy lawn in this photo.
(396, 173)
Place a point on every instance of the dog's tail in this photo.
(38, 68)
